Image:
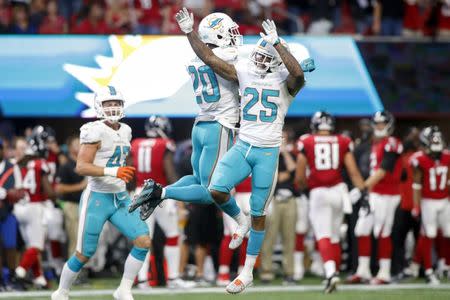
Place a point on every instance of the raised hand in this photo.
(185, 20)
(271, 35)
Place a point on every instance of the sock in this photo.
(195, 193)
(385, 269)
(143, 272)
(242, 252)
(440, 245)
(330, 268)
(225, 255)
(185, 181)
(232, 209)
(37, 269)
(384, 247)
(447, 253)
(364, 245)
(325, 249)
(29, 258)
(69, 273)
(299, 268)
(172, 255)
(363, 266)
(250, 261)
(133, 264)
(255, 242)
(336, 249)
(299, 242)
(55, 247)
(425, 249)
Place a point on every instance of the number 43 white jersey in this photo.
(217, 98)
(113, 151)
(265, 100)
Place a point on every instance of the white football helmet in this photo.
(265, 57)
(220, 30)
(114, 113)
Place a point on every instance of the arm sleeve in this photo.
(389, 160)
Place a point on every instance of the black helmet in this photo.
(431, 138)
(386, 118)
(37, 141)
(322, 120)
(158, 126)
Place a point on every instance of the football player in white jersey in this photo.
(105, 145)
(268, 82)
(218, 100)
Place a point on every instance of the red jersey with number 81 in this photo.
(325, 156)
(31, 179)
(434, 174)
(390, 184)
(148, 158)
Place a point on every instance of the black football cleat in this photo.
(150, 196)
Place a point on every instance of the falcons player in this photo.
(153, 158)
(29, 211)
(384, 197)
(326, 154)
(431, 192)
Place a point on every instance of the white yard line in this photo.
(219, 290)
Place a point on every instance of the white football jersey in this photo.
(217, 98)
(114, 149)
(265, 100)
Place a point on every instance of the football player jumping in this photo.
(105, 145)
(268, 82)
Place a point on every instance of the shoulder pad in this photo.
(90, 133)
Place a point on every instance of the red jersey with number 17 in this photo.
(325, 156)
(31, 179)
(148, 158)
(434, 174)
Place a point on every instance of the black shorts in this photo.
(204, 226)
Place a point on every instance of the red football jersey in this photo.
(31, 179)
(325, 156)
(390, 184)
(245, 186)
(434, 174)
(406, 191)
(148, 158)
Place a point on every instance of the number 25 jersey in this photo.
(265, 100)
(113, 151)
(325, 156)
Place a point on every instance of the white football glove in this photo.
(271, 35)
(185, 20)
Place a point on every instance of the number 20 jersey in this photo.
(265, 100)
(216, 97)
(434, 178)
(325, 156)
(113, 151)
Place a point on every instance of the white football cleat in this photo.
(239, 284)
(122, 294)
(60, 295)
(40, 282)
(238, 236)
(21, 272)
(180, 284)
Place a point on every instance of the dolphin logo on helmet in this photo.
(220, 30)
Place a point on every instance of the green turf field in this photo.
(419, 294)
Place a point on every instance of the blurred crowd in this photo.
(411, 18)
(289, 251)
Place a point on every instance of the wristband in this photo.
(416, 186)
(111, 171)
(276, 42)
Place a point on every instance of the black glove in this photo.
(364, 205)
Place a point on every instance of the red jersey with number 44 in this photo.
(434, 174)
(31, 179)
(325, 156)
(390, 184)
(148, 158)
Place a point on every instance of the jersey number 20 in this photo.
(210, 86)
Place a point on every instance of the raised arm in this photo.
(219, 66)
(296, 78)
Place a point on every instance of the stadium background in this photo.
(408, 76)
